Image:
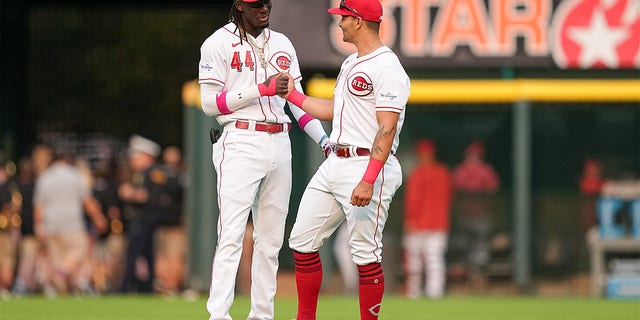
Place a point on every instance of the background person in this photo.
(474, 182)
(110, 246)
(591, 183)
(342, 253)
(142, 198)
(426, 223)
(29, 247)
(61, 197)
(8, 229)
(170, 236)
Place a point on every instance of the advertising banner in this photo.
(569, 34)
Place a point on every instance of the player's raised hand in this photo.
(268, 88)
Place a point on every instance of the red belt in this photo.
(264, 127)
(350, 151)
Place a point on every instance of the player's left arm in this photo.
(392, 93)
(388, 126)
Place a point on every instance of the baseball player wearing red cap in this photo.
(427, 207)
(358, 179)
(475, 181)
(238, 74)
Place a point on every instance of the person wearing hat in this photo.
(241, 68)
(361, 174)
(170, 238)
(474, 181)
(427, 203)
(142, 199)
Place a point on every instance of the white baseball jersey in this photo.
(253, 167)
(234, 64)
(368, 84)
(365, 85)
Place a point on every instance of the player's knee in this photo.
(296, 244)
(363, 257)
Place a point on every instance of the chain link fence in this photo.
(115, 71)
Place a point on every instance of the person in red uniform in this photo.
(591, 183)
(474, 181)
(474, 174)
(426, 223)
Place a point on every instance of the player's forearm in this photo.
(321, 109)
(216, 102)
(313, 128)
(381, 147)
(308, 123)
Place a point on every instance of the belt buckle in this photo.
(342, 151)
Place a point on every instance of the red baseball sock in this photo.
(308, 282)
(371, 290)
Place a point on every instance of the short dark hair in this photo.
(373, 25)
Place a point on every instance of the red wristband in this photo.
(297, 98)
(373, 169)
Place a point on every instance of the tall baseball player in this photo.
(238, 74)
(359, 178)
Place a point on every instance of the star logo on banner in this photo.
(597, 34)
(598, 41)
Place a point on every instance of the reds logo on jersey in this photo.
(360, 84)
(597, 34)
(281, 61)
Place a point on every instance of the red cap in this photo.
(476, 148)
(425, 146)
(370, 10)
(591, 163)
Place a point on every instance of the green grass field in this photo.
(330, 308)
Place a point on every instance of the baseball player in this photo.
(427, 204)
(240, 72)
(360, 176)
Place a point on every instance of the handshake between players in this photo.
(278, 84)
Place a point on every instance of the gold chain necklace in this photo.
(258, 49)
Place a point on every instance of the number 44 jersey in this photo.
(235, 63)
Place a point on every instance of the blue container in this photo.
(607, 208)
(635, 218)
(622, 287)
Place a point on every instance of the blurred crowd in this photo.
(70, 225)
(73, 226)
